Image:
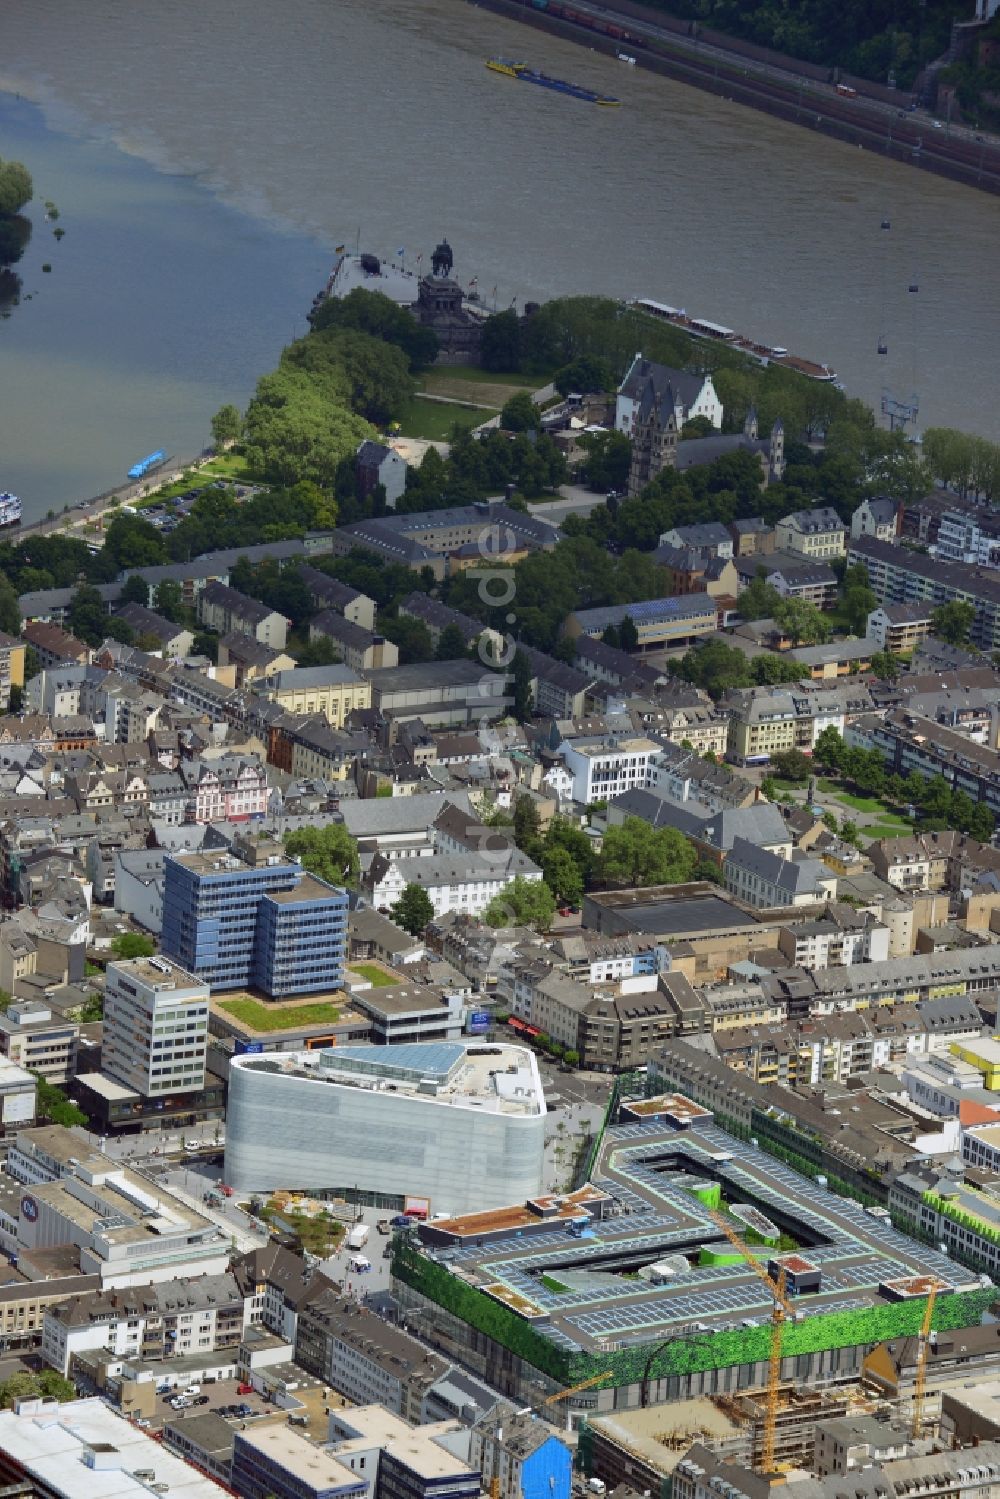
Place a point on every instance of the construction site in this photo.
(691, 1267)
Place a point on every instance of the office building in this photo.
(254, 919)
(272, 1462)
(155, 1027)
(84, 1450)
(522, 1454)
(438, 1120)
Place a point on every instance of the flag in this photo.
(339, 249)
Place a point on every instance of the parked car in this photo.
(244, 1389)
(191, 1389)
(200, 1400)
(244, 1410)
(180, 1403)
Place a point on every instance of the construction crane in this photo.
(923, 1350)
(584, 1384)
(782, 1310)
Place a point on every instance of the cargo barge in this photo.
(521, 71)
(716, 333)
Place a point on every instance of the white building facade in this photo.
(434, 1119)
(155, 1027)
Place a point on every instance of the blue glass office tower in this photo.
(265, 925)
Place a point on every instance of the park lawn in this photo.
(493, 393)
(230, 465)
(260, 1017)
(876, 830)
(472, 375)
(797, 788)
(375, 976)
(871, 804)
(433, 420)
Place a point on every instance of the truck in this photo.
(358, 1236)
(360, 1264)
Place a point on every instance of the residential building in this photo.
(455, 1127)
(765, 721)
(173, 1319)
(227, 611)
(815, 534)
(227, 788)
(437, 617)
(328, 592)
(364, 1358)
(708, 536)
(794, 575)
(449, 540)
(899, 628)
(253, 918)
(842, 937)
(970, 536)
(899, 575)
(172, 640)
(11, 667)
(911, 742)
(83, 1450)
(376, 464)
(358, 648)
(522, 1454)
(35, 1038)
(457, 881)
(752, 536)
(274, 1462)
(155, 1027)
(658, 622)
(334, 691)
(54, 646)
(242, 659)
(766, 880)
(557, 690)
(609, 766)
(876, 516)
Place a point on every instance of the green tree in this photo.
(135, 590)
(806, 624)
(521, 414)
(451, 644)
(522, 903)
(52, 1104)
(374, 313)
(133, 945)
(953, 622)
(206, 643)
(410, 635)
(608, 458)
(521, 680)
(715, 667)
(132, 542)
(885, 666)
(583, 376)
(792, 765)
(562, 875)
(829, 749)
(10, 612)
(329, 852)
(87, 616)
(527, 825)
(500, 346)
(760, 599)
(16, 187)
(227, 426)
(628, 635)
(168, 599)
(318, 652)
(413, 910)
(636, 854)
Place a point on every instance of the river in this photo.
(206, 158)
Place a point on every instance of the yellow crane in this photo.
(923, 1349)
(782, 1309)
(584, 1384)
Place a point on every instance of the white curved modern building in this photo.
(459, 1123)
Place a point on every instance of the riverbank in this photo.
(884, 125)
